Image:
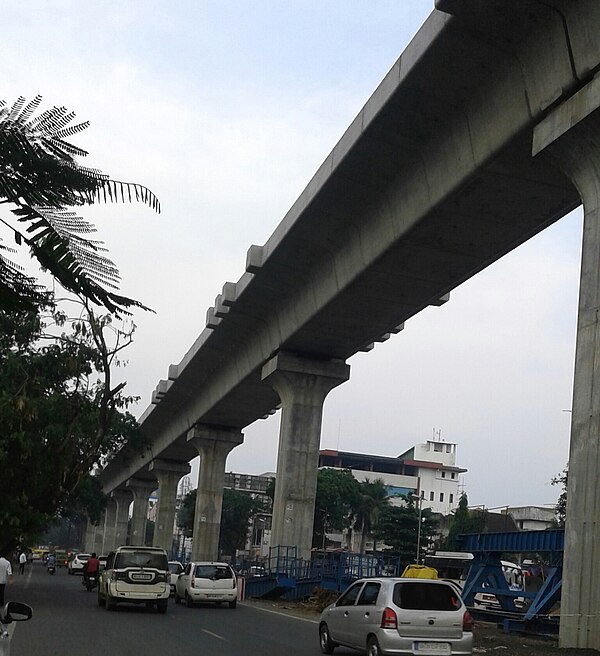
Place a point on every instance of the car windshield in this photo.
(213, 572)
(82, 557)
(422, 595)
(175, 568)
(141, 559)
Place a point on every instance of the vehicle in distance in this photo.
(102, 562)
(77, 563)
(398, 616)
(206, 582)
(175, 569)
(137, 575)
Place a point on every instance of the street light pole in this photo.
(417, 498)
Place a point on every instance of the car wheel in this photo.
(161, 605)
(326, 643)
(109, 603)
(100, 600)
(233, 604)
(373, 648)
(177, 598)
(188, 602)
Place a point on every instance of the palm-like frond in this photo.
(40, 175)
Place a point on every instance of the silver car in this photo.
(398, 616)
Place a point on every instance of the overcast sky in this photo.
(225, 109)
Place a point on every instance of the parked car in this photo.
(398, 616)
(175, 569)
(208, 582)
(77, 563)
(137, 575)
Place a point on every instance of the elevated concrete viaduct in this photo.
(483, 133)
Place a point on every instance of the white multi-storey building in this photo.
(427, 469)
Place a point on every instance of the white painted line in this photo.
(276, 612)
(214, 635)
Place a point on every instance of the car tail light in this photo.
(192, 582)
(468, 622)
(389, 619)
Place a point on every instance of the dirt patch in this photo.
(488, 639)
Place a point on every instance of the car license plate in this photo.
(432, 648)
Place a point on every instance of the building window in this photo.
(431, 497)
(448, 448)
(451, 498)
(443, 474)
(452, 475)
(441, 497)
(422, 494)
(438, 447)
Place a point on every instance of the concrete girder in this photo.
(213, 444)
(570, 136)
(302, 385)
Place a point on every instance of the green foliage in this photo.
(185, 514)
(464, 521)
(337, 495)
(41, 177)
(59, 413)
(398, 528)
(371, 501)
(238, 508)
(561, 505)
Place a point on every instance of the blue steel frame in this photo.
(486, 573)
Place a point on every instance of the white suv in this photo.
(138, 575)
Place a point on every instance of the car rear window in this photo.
(213, 572)
(422, 595)
(141, 559)
(175, 568)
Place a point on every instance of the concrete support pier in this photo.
(141, 491)
(123, 499)
(168, 474)
(110, 519)
(213, 444)
(570, 135)
(302, 385)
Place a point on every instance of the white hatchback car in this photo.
(175, 569)
(208, 582)
(77, 563)
(398, 616)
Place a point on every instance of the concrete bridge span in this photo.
(483, 133)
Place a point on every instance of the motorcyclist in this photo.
(91, 568)
(51, 560)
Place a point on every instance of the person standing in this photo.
(22, 562)
(5, 576)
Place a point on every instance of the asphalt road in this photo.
(67, 621)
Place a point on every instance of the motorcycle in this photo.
(51, 569)
(90, 581)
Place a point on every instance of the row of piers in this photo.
(302, 385)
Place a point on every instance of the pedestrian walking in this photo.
(5, 576)
(22, 562)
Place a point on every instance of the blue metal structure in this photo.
(293, 578)
(486, 573)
